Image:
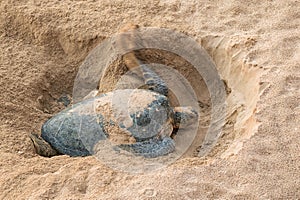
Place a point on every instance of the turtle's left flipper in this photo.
(151, 148)
(153, 81)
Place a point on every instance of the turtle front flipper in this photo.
(153, 81)
(42, 147)
(151, 148)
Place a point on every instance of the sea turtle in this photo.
(142, 118)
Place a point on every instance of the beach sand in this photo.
(255, 46)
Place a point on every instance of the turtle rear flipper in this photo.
(151, 148)
(42, 147)
(153, 81)
(185, 116)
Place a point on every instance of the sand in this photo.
(255, 45)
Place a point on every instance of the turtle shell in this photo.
(122, 116)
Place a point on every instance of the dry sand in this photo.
(256, 47)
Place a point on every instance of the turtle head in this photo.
(42, 147)
(185, 116)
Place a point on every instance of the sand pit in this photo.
(255, 46)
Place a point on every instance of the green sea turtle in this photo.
(139, 121)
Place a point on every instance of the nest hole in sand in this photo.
(241, 79)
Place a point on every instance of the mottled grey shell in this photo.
(76, 130)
